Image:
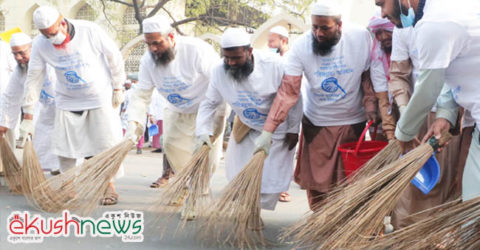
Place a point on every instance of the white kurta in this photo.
(183, 83)
(7, 65)
(86, 70)
(251, 100)
(44, 124)
(333, 91)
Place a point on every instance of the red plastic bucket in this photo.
(355, 154)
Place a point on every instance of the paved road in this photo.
(135, 194)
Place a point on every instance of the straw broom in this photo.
(235, 218)
(11, 167)
(342, 202)
(80, 188)
(385, 189)
(454, 225)
(196, 176)
(32, 177)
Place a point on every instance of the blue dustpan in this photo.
(428, 176)
(153, 130)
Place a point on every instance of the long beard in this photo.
(239, 73)
(326, 47)
(165, 58)
(23, 67)
(387, 50)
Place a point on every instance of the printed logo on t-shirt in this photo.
(255, 116)
(334, 91)
(76, 82)
(178, 100)
(46, 98)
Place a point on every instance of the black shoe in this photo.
(158, 150)
(139, 151)
(55, 172)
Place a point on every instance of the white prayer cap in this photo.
(157, 24)
(326, 8)
(234, 37)
(279, 30)
(44, 17)
(19, 39)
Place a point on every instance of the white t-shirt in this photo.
(251, 98)
(12, 99)
(403, 48)
(333, 92)
(184, 80)
(448, 37)
(156, 106)
(86, 69)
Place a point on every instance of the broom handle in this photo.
(363, 136)
(300, 148)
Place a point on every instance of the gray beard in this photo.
(165, 58)
(23, 67)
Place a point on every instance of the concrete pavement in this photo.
(135, 194)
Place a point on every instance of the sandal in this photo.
(284, 197)
(160, 183)
(109, 198)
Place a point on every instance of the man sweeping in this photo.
(450, 60)
(278, 43)
(179, 68)
(248, 80)
(335, 60)
(12, 99)
(90, 74)
(404, 75)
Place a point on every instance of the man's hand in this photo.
(203, 140)
(263, 142)
(372, 116)
(439, 125)
(26, 128)
(3, 130)
(134, 131)
(117, 98)
(291, 140)
(409, 145)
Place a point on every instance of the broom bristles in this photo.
(338, 200)
(80, 188)
(32, 177)
(11, 167)
(229, 220)
(454, 225)
(360, 207)
(195, 176)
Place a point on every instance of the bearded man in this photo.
(336, 61)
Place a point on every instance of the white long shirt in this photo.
(333, 93)
(12, 98)
(184, 80)
(251, 98)
(86, 69)
(448, 38)
(7, 65)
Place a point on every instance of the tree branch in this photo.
(121, 2)
(104, 7)
(206, 18)
(157, 8)
(171, 17)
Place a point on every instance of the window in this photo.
(86, 13)
(132, 63)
